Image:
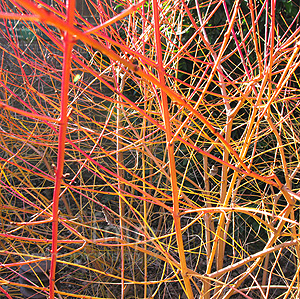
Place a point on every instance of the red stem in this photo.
(68, 44)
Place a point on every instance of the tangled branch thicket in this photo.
(150, 150)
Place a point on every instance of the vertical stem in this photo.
(120, 173)
(145, 210)
(146, 205)
(207, 220)
(68, 44)
(170, 149)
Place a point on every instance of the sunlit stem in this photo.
(68, 44)
(170, 149)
